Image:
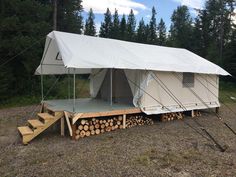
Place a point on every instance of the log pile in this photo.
(172, 116)
(138, 120)
(89, 127)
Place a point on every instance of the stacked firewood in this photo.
(196, 113)
(172, 116)
(138, 120)
(88, 127)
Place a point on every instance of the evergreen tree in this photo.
(203, 27)
(90, 28)
(23, 24)
(161, 28)
(69, 16)
(106, 26)
(115, 26)
(147, 31)
(122, 28)
(198, 42)
(131, 24)
(230, 55)
(218, 27)
(141, 32)
(152, 37)
(181, 28)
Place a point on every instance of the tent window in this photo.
(188, 80)
(57, 57)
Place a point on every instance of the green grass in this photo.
(59, 91)
(227, 90)
(20, 101)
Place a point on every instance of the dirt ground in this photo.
(162, 149)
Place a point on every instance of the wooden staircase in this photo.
(37, 126)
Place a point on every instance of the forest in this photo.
(24, 25)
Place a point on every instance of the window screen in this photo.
(188, 80)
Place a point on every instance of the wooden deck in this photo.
(85, 108)
(89, 108)
(55, 110)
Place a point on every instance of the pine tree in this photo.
(90, 28)
(230, 55)
(152, 37)
(141, 32)
(106, 26)
(69, 16)
(123, 28)
(147, 31)
(131, 24)
(198, 42)
(115, 26)
(161, 28)
(219, 27)
(21, 27)
(181, 28)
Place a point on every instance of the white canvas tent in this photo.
(135, 65)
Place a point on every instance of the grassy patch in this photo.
(168, 158)
(227, 90)
(59, 90)
(20, 101)
(143, 160)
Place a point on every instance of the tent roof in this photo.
(67, 50)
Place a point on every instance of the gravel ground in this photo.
(162, 149)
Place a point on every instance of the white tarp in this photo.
(86, 52)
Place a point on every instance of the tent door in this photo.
(121, 92)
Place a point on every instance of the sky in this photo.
(142, 8)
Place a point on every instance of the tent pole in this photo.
(111, 85)
(42, 96)
(74, 93)
(69, 83)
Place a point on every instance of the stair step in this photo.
(46, 116)
(25, 130)
(35, 123)
(54, 113)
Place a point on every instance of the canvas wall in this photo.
(145, 89)
(205, 87)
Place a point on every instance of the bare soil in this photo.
(163, 149)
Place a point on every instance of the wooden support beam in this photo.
(192, 113)
(42, 108)
(124, 121)
(73, 126)
(76, 117)
(68, 123)
(63, 126)
(108, 113)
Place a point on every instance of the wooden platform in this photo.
(55, 110)
(85, 105)
(86, 108)
(89, 108)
